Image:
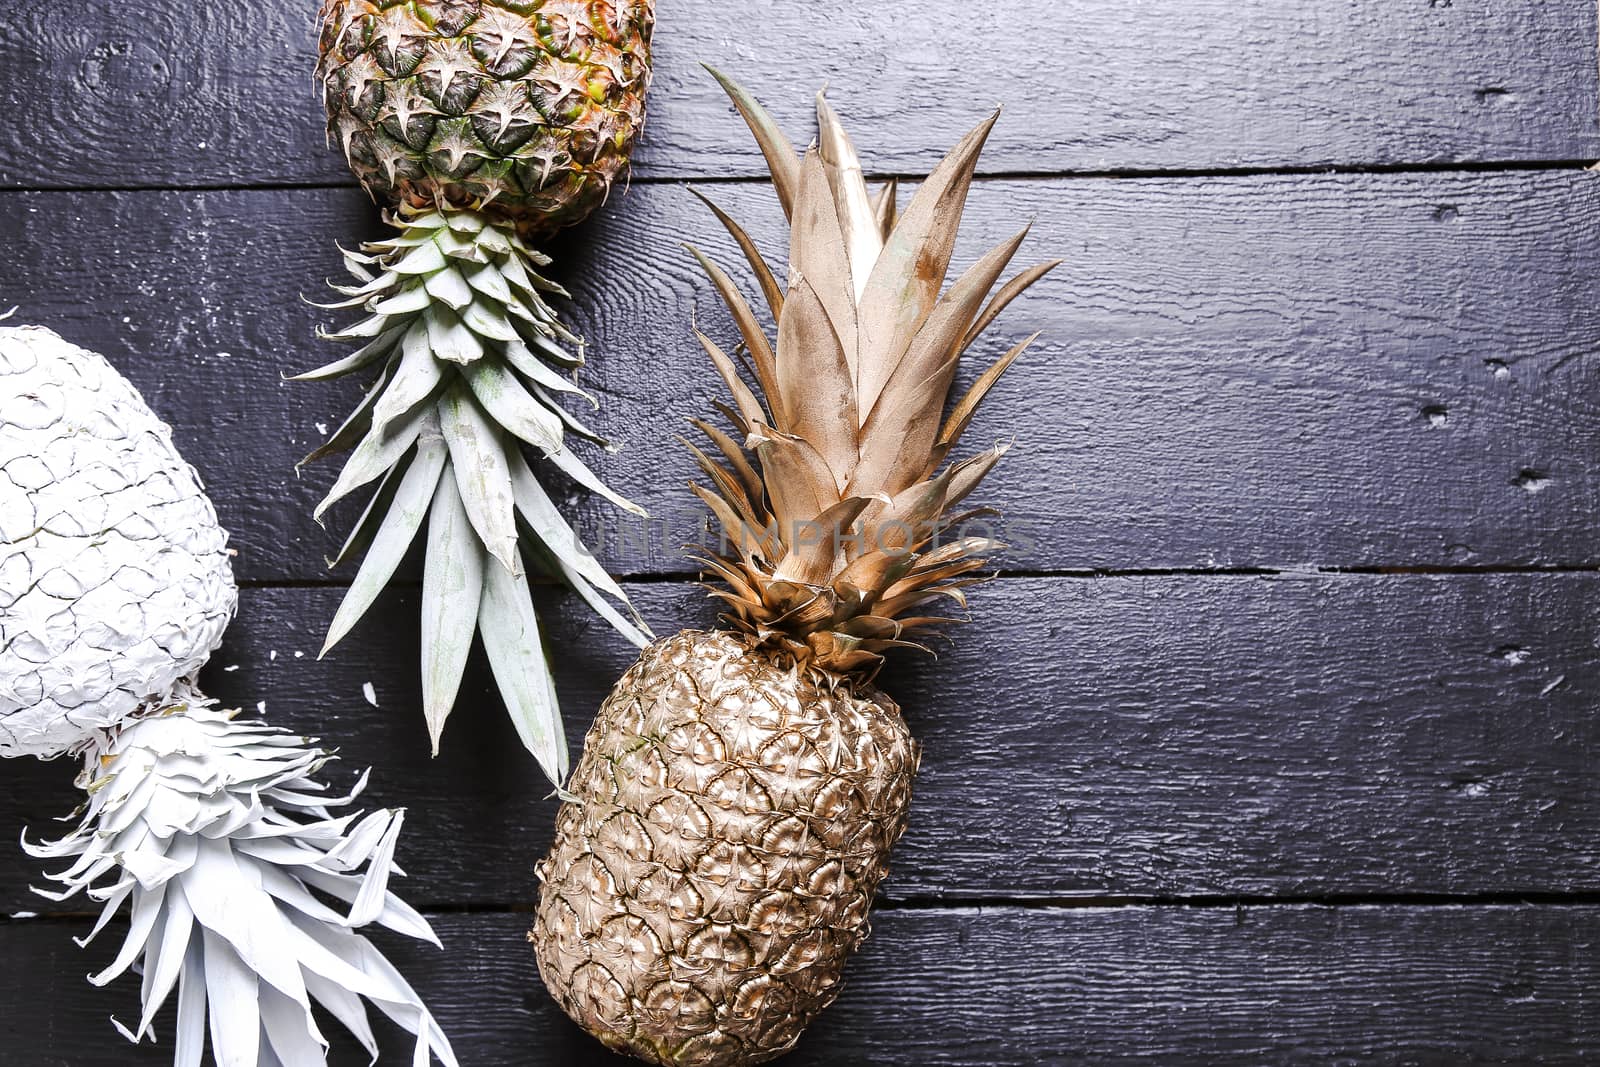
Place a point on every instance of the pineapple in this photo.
(243, 889)
(739, 791)
(483, 126)
(114, 575)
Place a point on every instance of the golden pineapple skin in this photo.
(532, 105)
(733, 821)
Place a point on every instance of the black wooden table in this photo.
(1277, 740)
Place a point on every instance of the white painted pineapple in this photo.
(244, 889)
(114, 576)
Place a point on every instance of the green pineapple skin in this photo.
(532, 107)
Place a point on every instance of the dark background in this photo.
(1276, 742)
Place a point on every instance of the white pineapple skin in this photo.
(115, 579)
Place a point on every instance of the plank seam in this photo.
(691, 577)
(1453, 167)
(1584, 899)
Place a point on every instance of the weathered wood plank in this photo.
(1001, 986)
(1267, 371)
(1162, 737)
(163, 94)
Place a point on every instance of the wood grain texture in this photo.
(994, 987)
(163, 93)
(1378, 370)
(1157, 737)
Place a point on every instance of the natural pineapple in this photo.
(484, 125)
(739, 791)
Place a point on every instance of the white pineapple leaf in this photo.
(451, 340)
(524, 362)
(290, 1033)
(366, 355)
(408, 301)
(571, 421)
(346, 1007)
(232, 993)
(401, 522)
(425, 258)
(377, 452)
(191, 1039)
(233, 923)
(417, 376)
(478, 457)
(551, 529)
(574, 468)
(168, 964)
(450, 287)
(146, 908)
(512, 406)
(357, 423)
(365, 527)
(510, 631)
(487, 279)
(494, 241)
(486, 319)
(452, 585)
(633, 630)
(551, 350)
(458, 247)
(422, 225)
(371, 326)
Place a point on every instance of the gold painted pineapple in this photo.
(485, 125)
(740, 790)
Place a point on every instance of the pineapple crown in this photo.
(851, 528)
(245, 891)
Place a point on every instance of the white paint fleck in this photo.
(273, 654)
(299, 655)
(370, 693)
(230, 668)
(322, 429)
(24, 915)
(261, 707)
